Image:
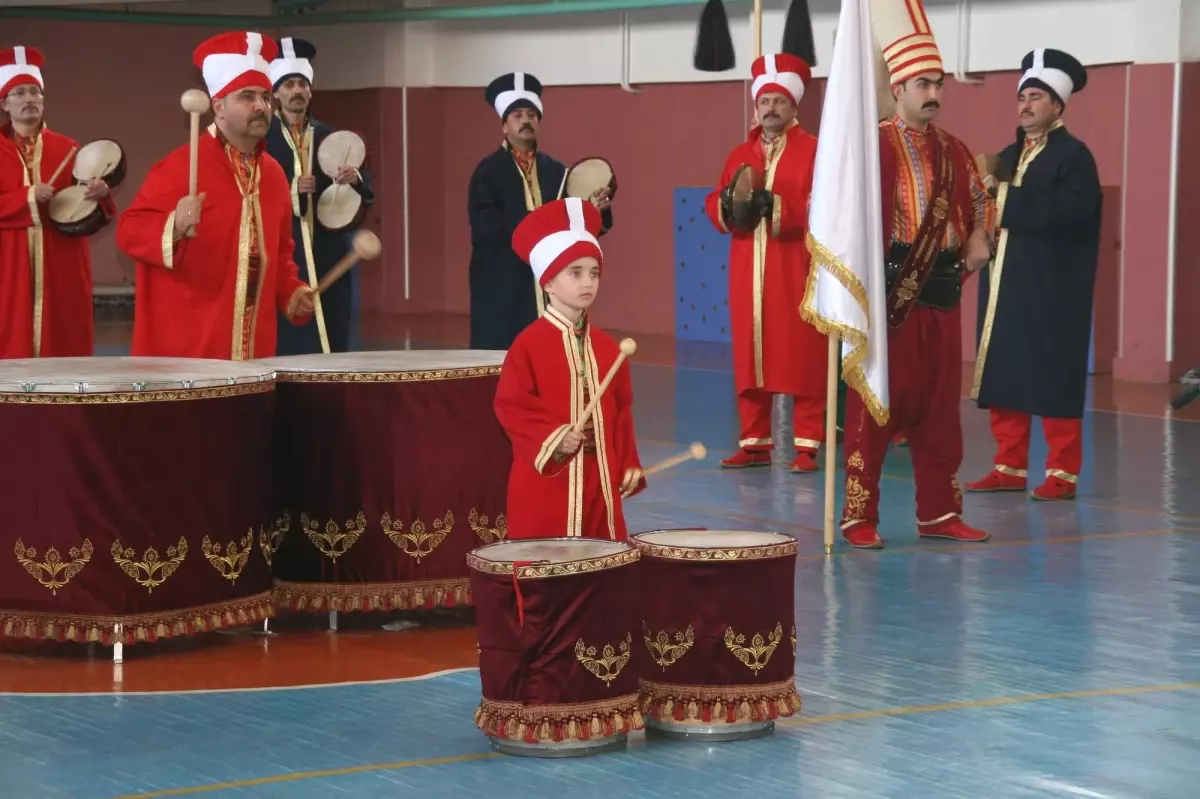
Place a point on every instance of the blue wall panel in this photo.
(701, 271)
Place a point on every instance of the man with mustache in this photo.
(212, 268)
(936, 216)
(1035, 302)
(45, 277)
(294, 140)
(505, 186)
(774, 350)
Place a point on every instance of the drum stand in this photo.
(596, 746)
(710, 733)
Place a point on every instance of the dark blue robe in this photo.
(1034, 359)
(328, 248)
(503, 300)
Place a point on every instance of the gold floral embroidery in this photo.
(53, 573)
(957, 492)
(271, 537)
(419, 543)
(488, 535)
(231, 564)
(665, 653)
(756, 655)
(335, 541)
(151, 571)
(608, 666)
(793, 640)
(855, 461)
(856, 498)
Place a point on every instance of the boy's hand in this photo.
(634, 482)
(570, 444)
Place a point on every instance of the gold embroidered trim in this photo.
(540, 570)
(148, 627)
(549, 446)
(151, 571)
(488, 535)
(758, 653)
(761, 552)
(231, 564)
(335, 541)
(810, 443)
(386, 377)
(776, 215)
(350, 597)
(53, 573)
(269, 538)
(31, 199)
(419, 542)
(1061, 475)
(554, 723)
(663, 651)
(168, 242)
(612, 661)
(1010, 471)
(116, 398)
(943, 518)
(719, 704)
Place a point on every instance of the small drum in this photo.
(340, 208)
(70, 213)
(719, 628)
(341, 148)
(137, 497)
(746, 180)
(389, 468)
(559, 656)
(588, 176)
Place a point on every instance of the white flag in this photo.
(846, 293)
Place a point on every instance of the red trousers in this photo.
(754, 410)
(925, 387)
(1064, 437)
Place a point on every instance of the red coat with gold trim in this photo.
(46, 299)
(191, 294)
(548, 375)
(773, 348)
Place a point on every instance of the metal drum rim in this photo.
(785, 547)
(541, 570)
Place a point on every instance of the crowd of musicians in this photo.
(229, 251)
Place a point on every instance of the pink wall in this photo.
(667, 136)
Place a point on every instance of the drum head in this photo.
(68, 205)
(341, 148)
(445, 362)
(98, 160)
(124, 374)
(338, 207)
(587, 177)
(549, 550)
(714, 544)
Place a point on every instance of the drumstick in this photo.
(695, 452)
(61, 167)
(628, 347)
(195, 102)
(366, 246)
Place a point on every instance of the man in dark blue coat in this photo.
(506, 185)
(1035, 299)
(293, 140)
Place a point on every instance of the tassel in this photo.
(714, 43)
(798, 33)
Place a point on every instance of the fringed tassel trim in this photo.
(727, 704)
(142, 628)
(557, 723)
(349, 597)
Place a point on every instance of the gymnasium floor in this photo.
(1060, 659)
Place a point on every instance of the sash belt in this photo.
(943, 288)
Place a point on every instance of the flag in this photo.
(845, 295)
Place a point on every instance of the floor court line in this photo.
(789, 723)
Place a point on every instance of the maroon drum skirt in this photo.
(720, 632)
(138, 510)
(559, 656)
(384, 481)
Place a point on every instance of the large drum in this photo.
(137, 497)
(389, 468)
(559, 657)
(720, 632)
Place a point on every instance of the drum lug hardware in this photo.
(139, 386)
(81, 388)
(28, 386)
(187, 383)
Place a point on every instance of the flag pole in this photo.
(831, 381)
(757, 29)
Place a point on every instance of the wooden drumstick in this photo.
(195, 102)
(61, 167)
(628, 347)
(365, 246)
(695, 452)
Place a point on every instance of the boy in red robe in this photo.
(566, 482)
(212, 269)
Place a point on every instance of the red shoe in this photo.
(805, 463)
(1054, 490)
(956, 530)
(997, 480)
(900, 440)
(743, 459)
(863, 535)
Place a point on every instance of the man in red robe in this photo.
(45, 277)
(936, 214)
(568, 474)
(774, 350)
(212, 269)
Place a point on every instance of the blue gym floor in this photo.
(1062, 659)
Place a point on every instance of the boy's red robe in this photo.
(45, 277)
(540, 396)
(201, 297)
